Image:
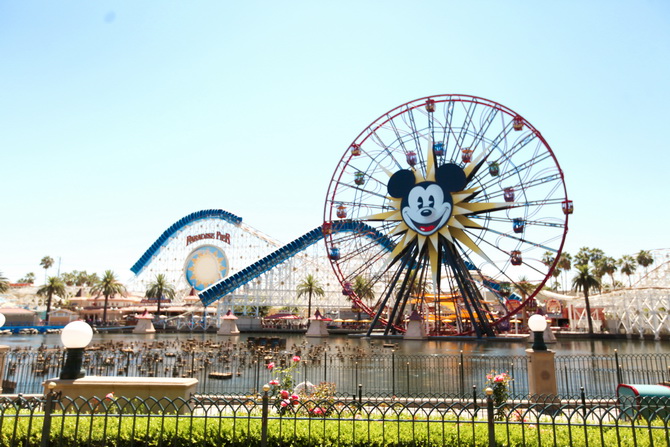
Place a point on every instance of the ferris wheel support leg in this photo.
(395, 318)
(471, 296)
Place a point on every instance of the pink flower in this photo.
(283, 394)
(499, 378)
(284, 403)
(274, 382)
(110, 396)
(271, 365)
(296, 358)
(295, 397)
(317, 411)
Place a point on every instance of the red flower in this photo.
(283, 394)
(274, 382)
(271, 365)
(296, 358)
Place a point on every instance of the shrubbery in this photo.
(350, 429)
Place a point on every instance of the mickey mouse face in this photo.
(426, 206)
(427, 209)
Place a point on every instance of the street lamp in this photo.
(75, 337)
(538, 323)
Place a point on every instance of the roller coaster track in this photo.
(248, 274)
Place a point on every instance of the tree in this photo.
(28, 279)
(586, 255)
(310, 286)
(627, 266)
(565, 264)
(46, 264)
(69, 278)
(548, 258)
(4, 284)
(645, 259)
(107, 286)
(160, 289)
(606, 266)
(524, 287)
(585, 281)
(53, 286)
(363, 289)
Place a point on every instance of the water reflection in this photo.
(405, 347)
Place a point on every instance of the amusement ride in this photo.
(439, 207)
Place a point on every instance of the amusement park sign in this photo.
(218, 236)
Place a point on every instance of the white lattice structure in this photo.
(643, 309)
(235, 246)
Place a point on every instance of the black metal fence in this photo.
(214, 420)
(243, 369)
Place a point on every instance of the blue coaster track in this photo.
(244, 276)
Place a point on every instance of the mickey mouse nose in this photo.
(426, 212)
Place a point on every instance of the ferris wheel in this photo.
(451, 206)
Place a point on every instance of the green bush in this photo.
(381, 430)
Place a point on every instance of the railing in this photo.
(260, 420)
(242, 370)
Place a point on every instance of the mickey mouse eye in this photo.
(420, 202)
(431, 202)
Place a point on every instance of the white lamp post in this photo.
(75, 337)
(538, 323)
(2, 320)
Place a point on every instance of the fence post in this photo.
(461, 368)
(408, 394)
(48, 408)
(325, 365)
(490, 416)
(264, 416)
(356, 372)
(474, 398)
(618, 367)
(393, 372)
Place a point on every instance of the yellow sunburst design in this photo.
(206, 266)
(454, 228)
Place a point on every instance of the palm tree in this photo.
(310, 286)
(524, 287)
(548, 258)
(565, 264)
(4, 284)
(606, 266)
(28, 279)
(627, 266)
(53, 286)
(645, 259)
(46, 264)
(585, 280)
(160, 289)
(363, 290)
(107, 286)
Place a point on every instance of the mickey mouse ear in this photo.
(400, 183)
(451, 177)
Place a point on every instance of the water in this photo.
(409, 367)
(407, 347)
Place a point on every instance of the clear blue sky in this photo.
(117, 118)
